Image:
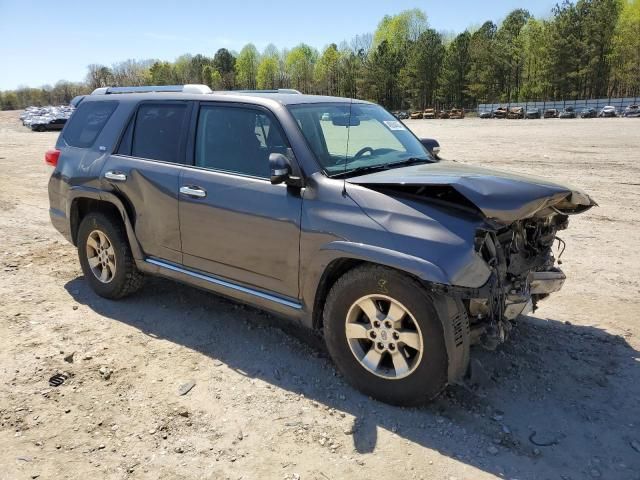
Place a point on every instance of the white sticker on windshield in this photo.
(394, 125)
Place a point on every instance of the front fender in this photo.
(328, 260)
(471, 275)
(418, 267)
(334, 252)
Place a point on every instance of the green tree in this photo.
(186, 69)
(455, 72)
(597, 17)
(398, 30)
(626, 51)
(393, 42)
(351, 65)
(10, 101)
(281, 77)
(300, 63)
(420, 75)
(509, 54)
(131, 72)
(247, 67)
(162, 73)
(565, 51)
(382, 76)
(536, 83)
(225, 63)
(268, 70)
(327, 71)
(211, 77)
(482, 69)
(196, 68)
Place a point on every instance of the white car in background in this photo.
(608, 111)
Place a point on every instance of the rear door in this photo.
(145, 170)
(234, 223)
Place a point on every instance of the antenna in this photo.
(346, 153)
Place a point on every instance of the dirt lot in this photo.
(561, 400)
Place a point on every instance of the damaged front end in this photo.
(518, 220)
(524, 271)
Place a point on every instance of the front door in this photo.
(234, 223)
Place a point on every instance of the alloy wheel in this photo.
(384, 336)
(101, 256)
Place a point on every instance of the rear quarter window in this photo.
(87, 122)
(157, 132)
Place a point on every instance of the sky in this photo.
(42, 42)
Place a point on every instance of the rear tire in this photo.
(403, 362)
(105, 257)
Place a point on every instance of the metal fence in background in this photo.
(619, 103)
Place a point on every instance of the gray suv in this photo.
(321, 209)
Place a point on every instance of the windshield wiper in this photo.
(409, 161)
(384, 166)
(367, 168)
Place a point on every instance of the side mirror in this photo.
(432, 145)
(280, 168)
(284, 169)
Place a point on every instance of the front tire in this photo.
(384, 334)
(105, 257)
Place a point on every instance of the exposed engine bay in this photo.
(515, 241)
(525, 271)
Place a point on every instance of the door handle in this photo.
(193, 191)
(115, 176)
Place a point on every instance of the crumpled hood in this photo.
(502, 196)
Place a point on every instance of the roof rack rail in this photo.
(291, 91)
(188, 88)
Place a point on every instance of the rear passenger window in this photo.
(237, 140)
(158, 131)
(87, 122)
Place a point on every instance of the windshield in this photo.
(348, 137)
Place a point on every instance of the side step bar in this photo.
(224, 283)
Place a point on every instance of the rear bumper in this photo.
(60, 222)
(58, 206)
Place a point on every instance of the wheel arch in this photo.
(336, 269)
(85, 200)
(453, 315)
(334, 259)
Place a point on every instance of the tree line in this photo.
(587, 49)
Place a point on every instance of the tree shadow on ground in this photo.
(557, 401)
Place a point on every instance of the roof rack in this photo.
(291, 91)
(189, 88)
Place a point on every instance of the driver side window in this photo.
(237, 140)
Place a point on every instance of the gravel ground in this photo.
(560, 400)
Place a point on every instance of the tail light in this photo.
(51, 157)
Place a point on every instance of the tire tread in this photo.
(439, 379)
(133, 278)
